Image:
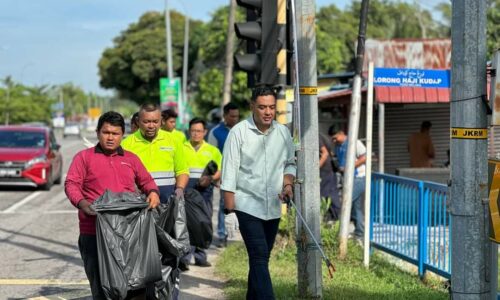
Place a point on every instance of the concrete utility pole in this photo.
(228, 72)
(170, 70)
(352, 135)
(185, 62)
(469, 163)
(308, 255)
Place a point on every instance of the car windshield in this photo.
(22, 139)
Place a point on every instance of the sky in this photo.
(58, 41)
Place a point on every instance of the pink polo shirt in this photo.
(92, 172)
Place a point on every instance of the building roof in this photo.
(385, 94)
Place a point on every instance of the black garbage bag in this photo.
(199, 219)
(173, 243)
(127, 244)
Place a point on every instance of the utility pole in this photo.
(469, 164)
(308, 255)
(170, 70)
(184, 70)
(228, 72)
(353, 134)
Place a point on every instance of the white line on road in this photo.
(15, 206)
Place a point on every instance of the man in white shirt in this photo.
(258, 170)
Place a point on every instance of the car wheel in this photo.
(48, 185)
(59, 179)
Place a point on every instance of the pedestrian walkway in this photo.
(202, 282)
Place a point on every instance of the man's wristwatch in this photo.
(228, 211)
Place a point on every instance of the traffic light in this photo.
(265, 36)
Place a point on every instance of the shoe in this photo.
(221, 242)
(203, 264)
(183, 267)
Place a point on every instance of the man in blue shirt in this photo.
(217, 137)
(341, 142)
(258, 170)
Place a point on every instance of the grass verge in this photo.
(351, 281)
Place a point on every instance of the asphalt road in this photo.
(39, 256)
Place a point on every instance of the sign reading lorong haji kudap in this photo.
(411, 78)
(170, 92)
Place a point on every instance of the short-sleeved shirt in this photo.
(179, 135)
(198, 160)
(253, 166)
(218, 135)
(163, 157)
(341, 153)
(327, 166)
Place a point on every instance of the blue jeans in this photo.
(358, 191)
(259, 236)
(221, 227)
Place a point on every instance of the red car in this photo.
(29, 156)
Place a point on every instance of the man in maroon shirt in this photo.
(105, 166)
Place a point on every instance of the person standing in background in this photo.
(421, 148)
(217, 137)
(169, 121)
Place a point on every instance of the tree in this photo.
(16, 103)
(210, 76)
(386, 20)
(136, 62)
(493, 26)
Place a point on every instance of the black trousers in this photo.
(259, 236)
(88, 250)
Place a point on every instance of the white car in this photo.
(71, 129)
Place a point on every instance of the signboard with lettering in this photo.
(170, 92)
(411, 78)
(469, 133)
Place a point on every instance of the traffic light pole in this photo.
(469, 180)
(308, 255)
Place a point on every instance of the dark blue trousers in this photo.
(259, 236)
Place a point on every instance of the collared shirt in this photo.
(92, 173)
(218, 135)
(253, 166)
(179, 135)
(198, 159)
(163, 156)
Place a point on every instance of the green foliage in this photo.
(337, 30)
(17, 103)
(134, 65)
(493, 26)
(351, 280)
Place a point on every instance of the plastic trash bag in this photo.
(199, 219)
(127, 243)
(173, 243)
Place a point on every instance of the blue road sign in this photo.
(411, 78)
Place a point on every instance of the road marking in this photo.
(15, 206)
(42, 282)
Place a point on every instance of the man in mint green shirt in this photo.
(258, 170)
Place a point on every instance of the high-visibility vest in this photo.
(198, 160)
(163, 157)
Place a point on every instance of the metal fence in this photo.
(409, 220)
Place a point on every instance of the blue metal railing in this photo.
(409, 220)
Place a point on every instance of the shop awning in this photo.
(385, 94)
